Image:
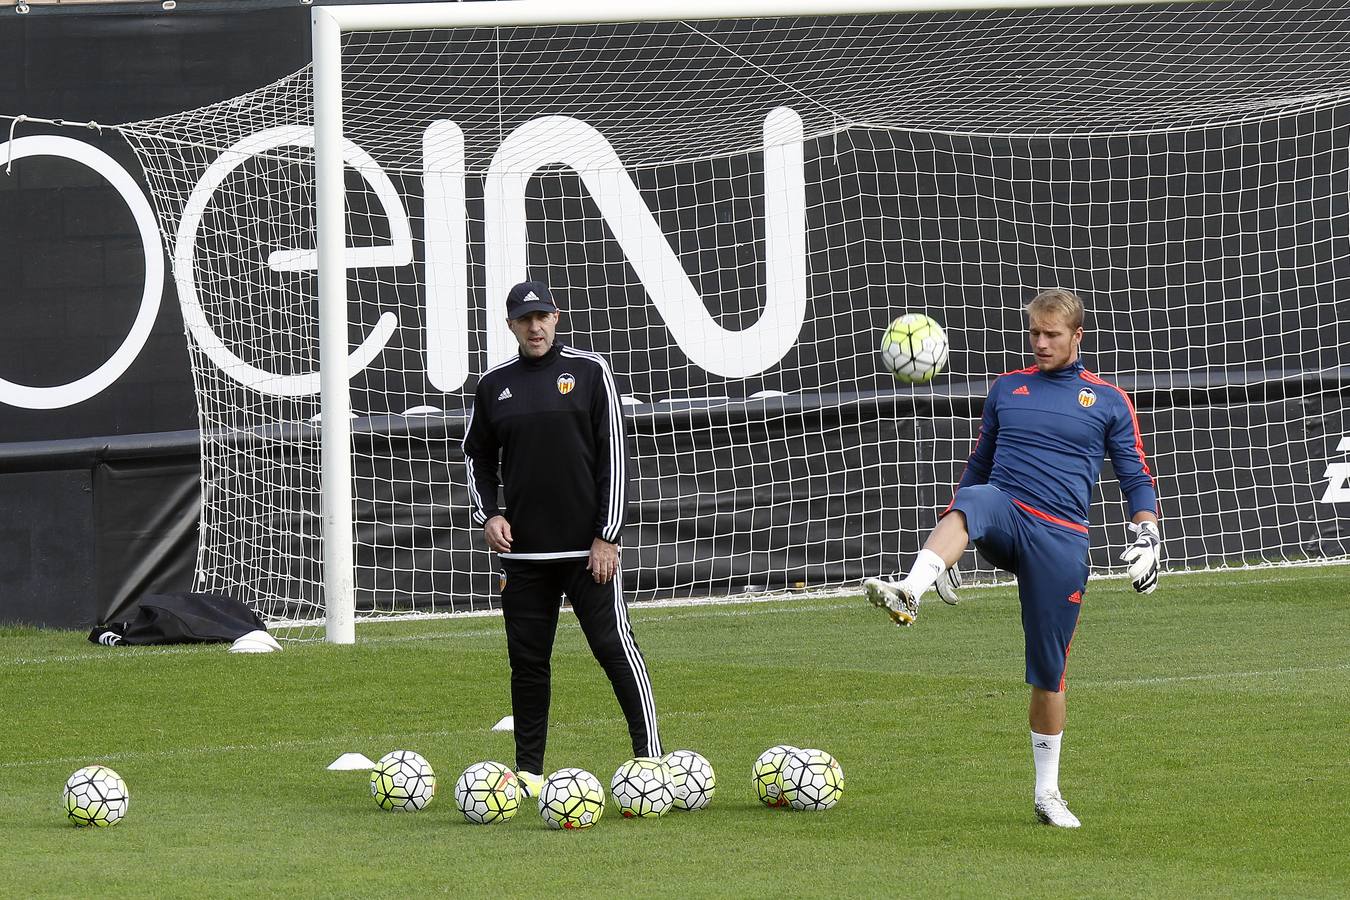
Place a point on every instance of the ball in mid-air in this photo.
(812, 780)
(767, 774)
(643, 788)
(914, 348)
(96, 795)
(693, 777)
(571, 799)
(487, 792)
(402, 781)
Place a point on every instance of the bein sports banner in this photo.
(749, 293)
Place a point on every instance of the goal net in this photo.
(731, 211)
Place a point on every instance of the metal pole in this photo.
(334, 396)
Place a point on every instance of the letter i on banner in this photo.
(447, 236)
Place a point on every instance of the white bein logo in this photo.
(534, 145)
(63, 395)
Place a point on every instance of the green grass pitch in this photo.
(1208, 754)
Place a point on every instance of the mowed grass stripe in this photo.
(784, 711)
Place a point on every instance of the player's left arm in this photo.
(611, 476)
(1125, 445)
(611, 457)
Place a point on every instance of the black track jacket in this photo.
(550, 432)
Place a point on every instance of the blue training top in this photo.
(1043, 438)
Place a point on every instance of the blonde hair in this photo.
(1060, 303)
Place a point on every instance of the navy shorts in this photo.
(1050, 560)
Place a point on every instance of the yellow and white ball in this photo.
(96, 795)
(767, 774)
(487, 793)
(402, 781)
(643, 788)
(693, 778)
(812, 780)
(571, 799)
(914, 348)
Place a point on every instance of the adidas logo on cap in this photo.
(528, 297)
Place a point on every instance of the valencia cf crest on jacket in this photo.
(566, 381)
(1086, 398)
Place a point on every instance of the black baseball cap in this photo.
(528, 297)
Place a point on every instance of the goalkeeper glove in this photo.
(947, 584)
(1142, 556)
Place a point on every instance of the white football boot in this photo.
(899, 604)
(1053, 810)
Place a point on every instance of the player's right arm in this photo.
(978, 467)
(482, 462)
(981, 461)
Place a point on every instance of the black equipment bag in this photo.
(187, 618)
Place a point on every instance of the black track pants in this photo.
(530, 603)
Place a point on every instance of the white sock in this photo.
(924, 573)
(1045, 750)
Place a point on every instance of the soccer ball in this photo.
(914, 348)
(487, 792)
(693, 777)
(571, 799)
(643, 788)
(812, 779)
(96, 795)
(767, 773)
(402, 781)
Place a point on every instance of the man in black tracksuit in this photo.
(548, 429)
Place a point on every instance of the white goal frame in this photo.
(328, 23)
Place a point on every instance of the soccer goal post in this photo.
(732, 201)
(329, 24)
